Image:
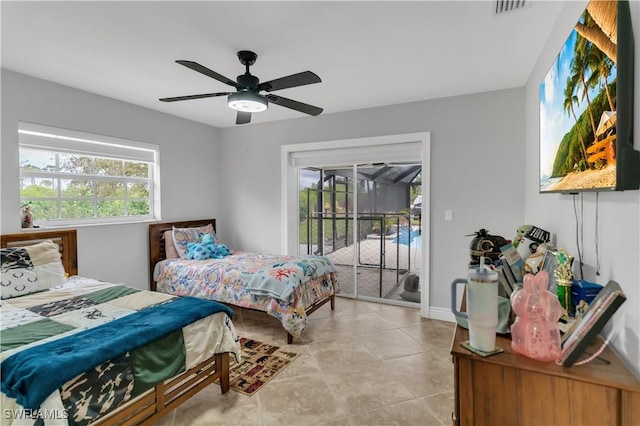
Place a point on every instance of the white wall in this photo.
(474, 139)
(477, 143)
(618, 213)
(188, 156)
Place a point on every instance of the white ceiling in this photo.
(367, 53)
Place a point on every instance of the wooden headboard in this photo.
(156, 241)
(66, 240)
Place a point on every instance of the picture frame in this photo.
(583, 332)
(549, 264)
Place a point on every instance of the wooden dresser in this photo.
(510, 389)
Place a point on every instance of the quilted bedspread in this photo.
(282, 286)
(78, 312)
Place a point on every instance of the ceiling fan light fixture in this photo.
(247, 102)
(247, 98)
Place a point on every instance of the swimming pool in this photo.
(404, 236)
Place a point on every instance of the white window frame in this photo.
(39, 137)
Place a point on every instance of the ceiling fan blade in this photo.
(186, 98)
(206, 71)
(294, 80)
(243, 117)
(298, 106)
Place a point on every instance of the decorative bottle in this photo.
(535, 332)
(27, 216)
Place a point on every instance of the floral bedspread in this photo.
(303, 281)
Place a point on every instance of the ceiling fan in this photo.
(247, 98)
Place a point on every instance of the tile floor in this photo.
(362, 364)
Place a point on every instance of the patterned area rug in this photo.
(260, 363)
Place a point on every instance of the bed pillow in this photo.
(30, 269)
(183, 236)
(170, 251)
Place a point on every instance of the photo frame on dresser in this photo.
(595, 318)
(549, 264)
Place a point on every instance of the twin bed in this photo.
(288, 288)
(80, 351)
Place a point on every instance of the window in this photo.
(69, 177)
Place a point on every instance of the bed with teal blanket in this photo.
(78, 352)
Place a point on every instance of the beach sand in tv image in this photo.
(578, 106)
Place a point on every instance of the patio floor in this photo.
(371, 282)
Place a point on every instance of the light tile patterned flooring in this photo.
(362, 364)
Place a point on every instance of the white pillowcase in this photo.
(30, 269)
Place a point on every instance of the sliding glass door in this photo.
(365, 219)
(342, 198)
(326, 219)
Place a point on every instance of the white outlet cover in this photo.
(448, 215)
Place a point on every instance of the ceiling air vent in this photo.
(503, 6)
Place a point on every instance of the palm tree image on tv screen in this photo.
(578, 108)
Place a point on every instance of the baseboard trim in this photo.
(442, 314)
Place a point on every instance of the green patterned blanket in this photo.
(52, 321)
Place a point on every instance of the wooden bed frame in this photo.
(156, 241)
(66, 241)
(158, 401)
(157, 254)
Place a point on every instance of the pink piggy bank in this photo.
(535, 332)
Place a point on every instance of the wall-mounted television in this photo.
(586, 106)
